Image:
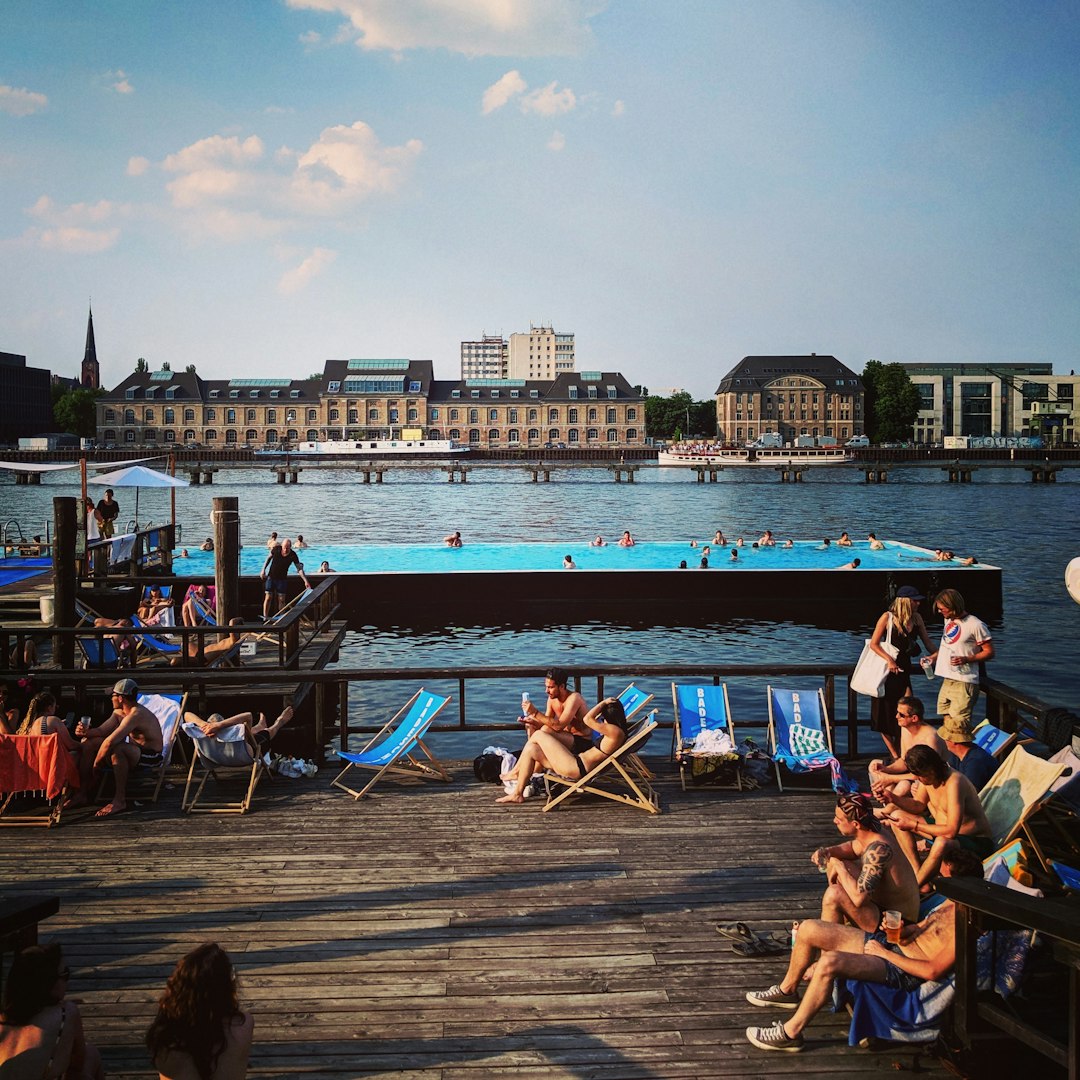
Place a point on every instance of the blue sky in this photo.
(258, 186)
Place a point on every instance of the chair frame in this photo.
(826, 727)
(637, 700)
(254, 772)
(677, 736)
(54, 807)
(168, 748)
(404, 762)
(638, 791)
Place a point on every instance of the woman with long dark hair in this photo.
(200, 1031)
(41, 1034)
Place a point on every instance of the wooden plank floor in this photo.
(428, 932)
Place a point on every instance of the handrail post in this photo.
(852, 722)
(461, 702)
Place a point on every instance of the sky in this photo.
(259, 186)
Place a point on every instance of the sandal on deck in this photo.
(757, 947)
(738, 931)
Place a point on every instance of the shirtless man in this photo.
(927, 951)
(453, 540)
(887, 781)
(131, 736)
(766, 539)
(563, 712)
(626, 540)
(875, 543)
(953, 805)
(257, 735)
(844, 541)
(869, 873)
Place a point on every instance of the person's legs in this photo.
(123, 758)
(278, 724)
(830, 966)
(906, 840)
(932, 863)
(532, 759)
(838, 907)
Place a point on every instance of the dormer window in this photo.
(592, 391)
(129, 393)
(514, 393)
(334, 387)
(455, 394)
(234, 393)
(294, 393)
(274, 393)
(214, 393)
(573, 392)
(495, 393)
(253, 393)
(474, 393)
(414, 387)
(534, 393)
(612, 392)
(150, 391)
(170, 391)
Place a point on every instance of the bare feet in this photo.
(511, 799)
(73, 802)
(111, 809)
(511, 775)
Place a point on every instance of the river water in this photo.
(1027, 529)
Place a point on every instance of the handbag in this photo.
(871, 671)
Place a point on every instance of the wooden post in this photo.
(226, 518)
(64, 527)
(172, 491)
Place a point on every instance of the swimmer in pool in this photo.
(568, 563)
(844, 541)
(734, 555)
(789, 543)
(598, 542)
(704, 564)
(626, 540)
(875, 543)
(853, 565)
(766, 539)
(718, 539)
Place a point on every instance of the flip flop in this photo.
(757, 947)
(738, 931)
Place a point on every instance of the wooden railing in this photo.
(151, 553)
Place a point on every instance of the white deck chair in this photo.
(220, 757)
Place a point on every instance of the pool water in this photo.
(438, 558)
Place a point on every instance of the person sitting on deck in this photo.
(198, 597)
(200, 1030)
(546, 750)
(257, 735)
(41, 1034)
(926, 951)
(131, 736)
(563, 711)
(869, 873)
(893, 779)
(126, 643)
(944, 808)
(225, 644)
(154, 606)
(9, 717)
(965, 755)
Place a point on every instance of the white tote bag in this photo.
(870, 672)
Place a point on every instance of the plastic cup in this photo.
(894, 923)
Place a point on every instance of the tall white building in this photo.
(541, 354)
(486, 358)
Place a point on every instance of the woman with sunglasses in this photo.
(41, 1034)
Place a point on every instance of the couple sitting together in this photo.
(566, 737)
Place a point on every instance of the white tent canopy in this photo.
(31, 467)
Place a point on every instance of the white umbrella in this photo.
(137, 476)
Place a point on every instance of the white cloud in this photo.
(279, 110)
(76, 229)
(310, 38)
(548, 101)
(557, 141)
(75, 241)
(122, 85)
(75, 214)
(213, 151)
(618, 108)
(501, 91)
(471, 27)
(136, 166)
(300, 276)
(16, 102)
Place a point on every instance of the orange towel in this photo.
(35, 763)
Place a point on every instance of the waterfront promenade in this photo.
(429, 932)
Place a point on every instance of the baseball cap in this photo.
(126, 688)
(909, 592)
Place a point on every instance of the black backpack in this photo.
(487, 767)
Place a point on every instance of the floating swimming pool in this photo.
(439, 559)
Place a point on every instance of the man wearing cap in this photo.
(965, 644)
(965, 756)
(131, 736)
(868, 874)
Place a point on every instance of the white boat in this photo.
(756, 455)
(370, 448)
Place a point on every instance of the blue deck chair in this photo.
(154, 642)
(633, 700)
(993, 740)
(800, 735)
(701, 709)
(391, 750)
(99, 653)
(1069, 878)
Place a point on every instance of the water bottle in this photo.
(928, 667)
(525, 703)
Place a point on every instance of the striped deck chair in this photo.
(34, 765)
(705, 712)
(1015, 792)
(800, 735)
(392, 748)
(221, 757)
(993, 740)
(628, 788)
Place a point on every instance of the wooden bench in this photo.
(19, 918)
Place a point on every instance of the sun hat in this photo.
(956, 731)
(909, 592)
(126, 688)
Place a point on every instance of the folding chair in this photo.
(221, 757)
(633, 700)
(800, 735)
(391, 750)
(993, 740)
(280, 614)
(169, 709)
(34, 765)
(152, 642)
(630, 789)
(703, 728)
(1015, 792)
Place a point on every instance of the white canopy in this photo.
(137, 476)
(29, 467)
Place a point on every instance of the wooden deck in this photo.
(429, 932)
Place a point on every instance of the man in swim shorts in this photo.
(927, 951)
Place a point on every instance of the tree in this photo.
(76, 411)
(166, 366)
(678, 416)
(190, 369)
(141, 365)
(892, 402)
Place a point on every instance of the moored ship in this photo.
(704, 454)
(391, 447)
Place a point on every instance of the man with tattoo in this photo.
(927, 951)
(869, 873)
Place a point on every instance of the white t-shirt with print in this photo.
(961, 637)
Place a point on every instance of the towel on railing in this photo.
(35, 763)
(121, 548)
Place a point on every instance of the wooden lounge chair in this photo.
(994, 740)
(611, 778)
(220, 758)
(169, 709)
(34, 765)
(392, 748)
(633, 700)
(703, 709)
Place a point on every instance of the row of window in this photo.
(353, 416)
(232, 436)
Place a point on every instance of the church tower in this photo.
(91, 373)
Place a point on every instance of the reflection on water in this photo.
(1028, 529)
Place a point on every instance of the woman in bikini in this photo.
(546, 750)
(200, 1029)
(41, 719)
(41, 1034)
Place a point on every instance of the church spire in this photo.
(91, 372)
